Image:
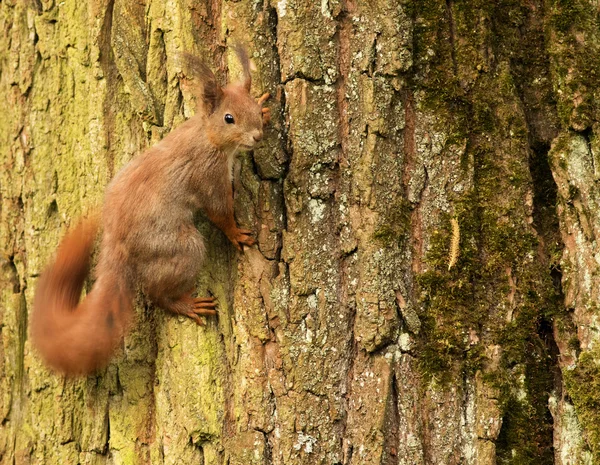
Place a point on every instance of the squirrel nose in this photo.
(257, 136)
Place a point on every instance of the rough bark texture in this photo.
(425, 286)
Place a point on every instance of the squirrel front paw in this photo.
(266, 112)
(241, 237)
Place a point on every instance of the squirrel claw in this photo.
(266, 112)
(264, 97)
(202, 306)
(196, 318)
(248, 241)
(242, 237)
(209, 303)
(204, 312)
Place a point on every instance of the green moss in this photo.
(583, 385)
(564, 14)
(575, 56)
(393, 224)
(525, 378)
(448, 296)
(574, 344)
(497, 294)
(519, 442)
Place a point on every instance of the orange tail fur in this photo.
(79, 338)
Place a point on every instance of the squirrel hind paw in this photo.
(192, 307)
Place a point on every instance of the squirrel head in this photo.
(234, 118)
(236, 121)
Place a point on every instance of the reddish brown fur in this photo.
(149, 238)
(72, 338)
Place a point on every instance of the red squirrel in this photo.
(149, 239)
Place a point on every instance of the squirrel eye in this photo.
(229, 119)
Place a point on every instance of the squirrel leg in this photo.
(192, 307)
(224, 220)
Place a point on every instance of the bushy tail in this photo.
(79, 338)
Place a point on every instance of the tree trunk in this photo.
(425, 285)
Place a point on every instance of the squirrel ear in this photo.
(211, 94)
(242, 54)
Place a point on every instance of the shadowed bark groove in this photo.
(424, 288)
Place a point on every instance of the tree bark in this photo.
(425, 285)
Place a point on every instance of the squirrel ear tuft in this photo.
(211, 93)
(242, 55)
